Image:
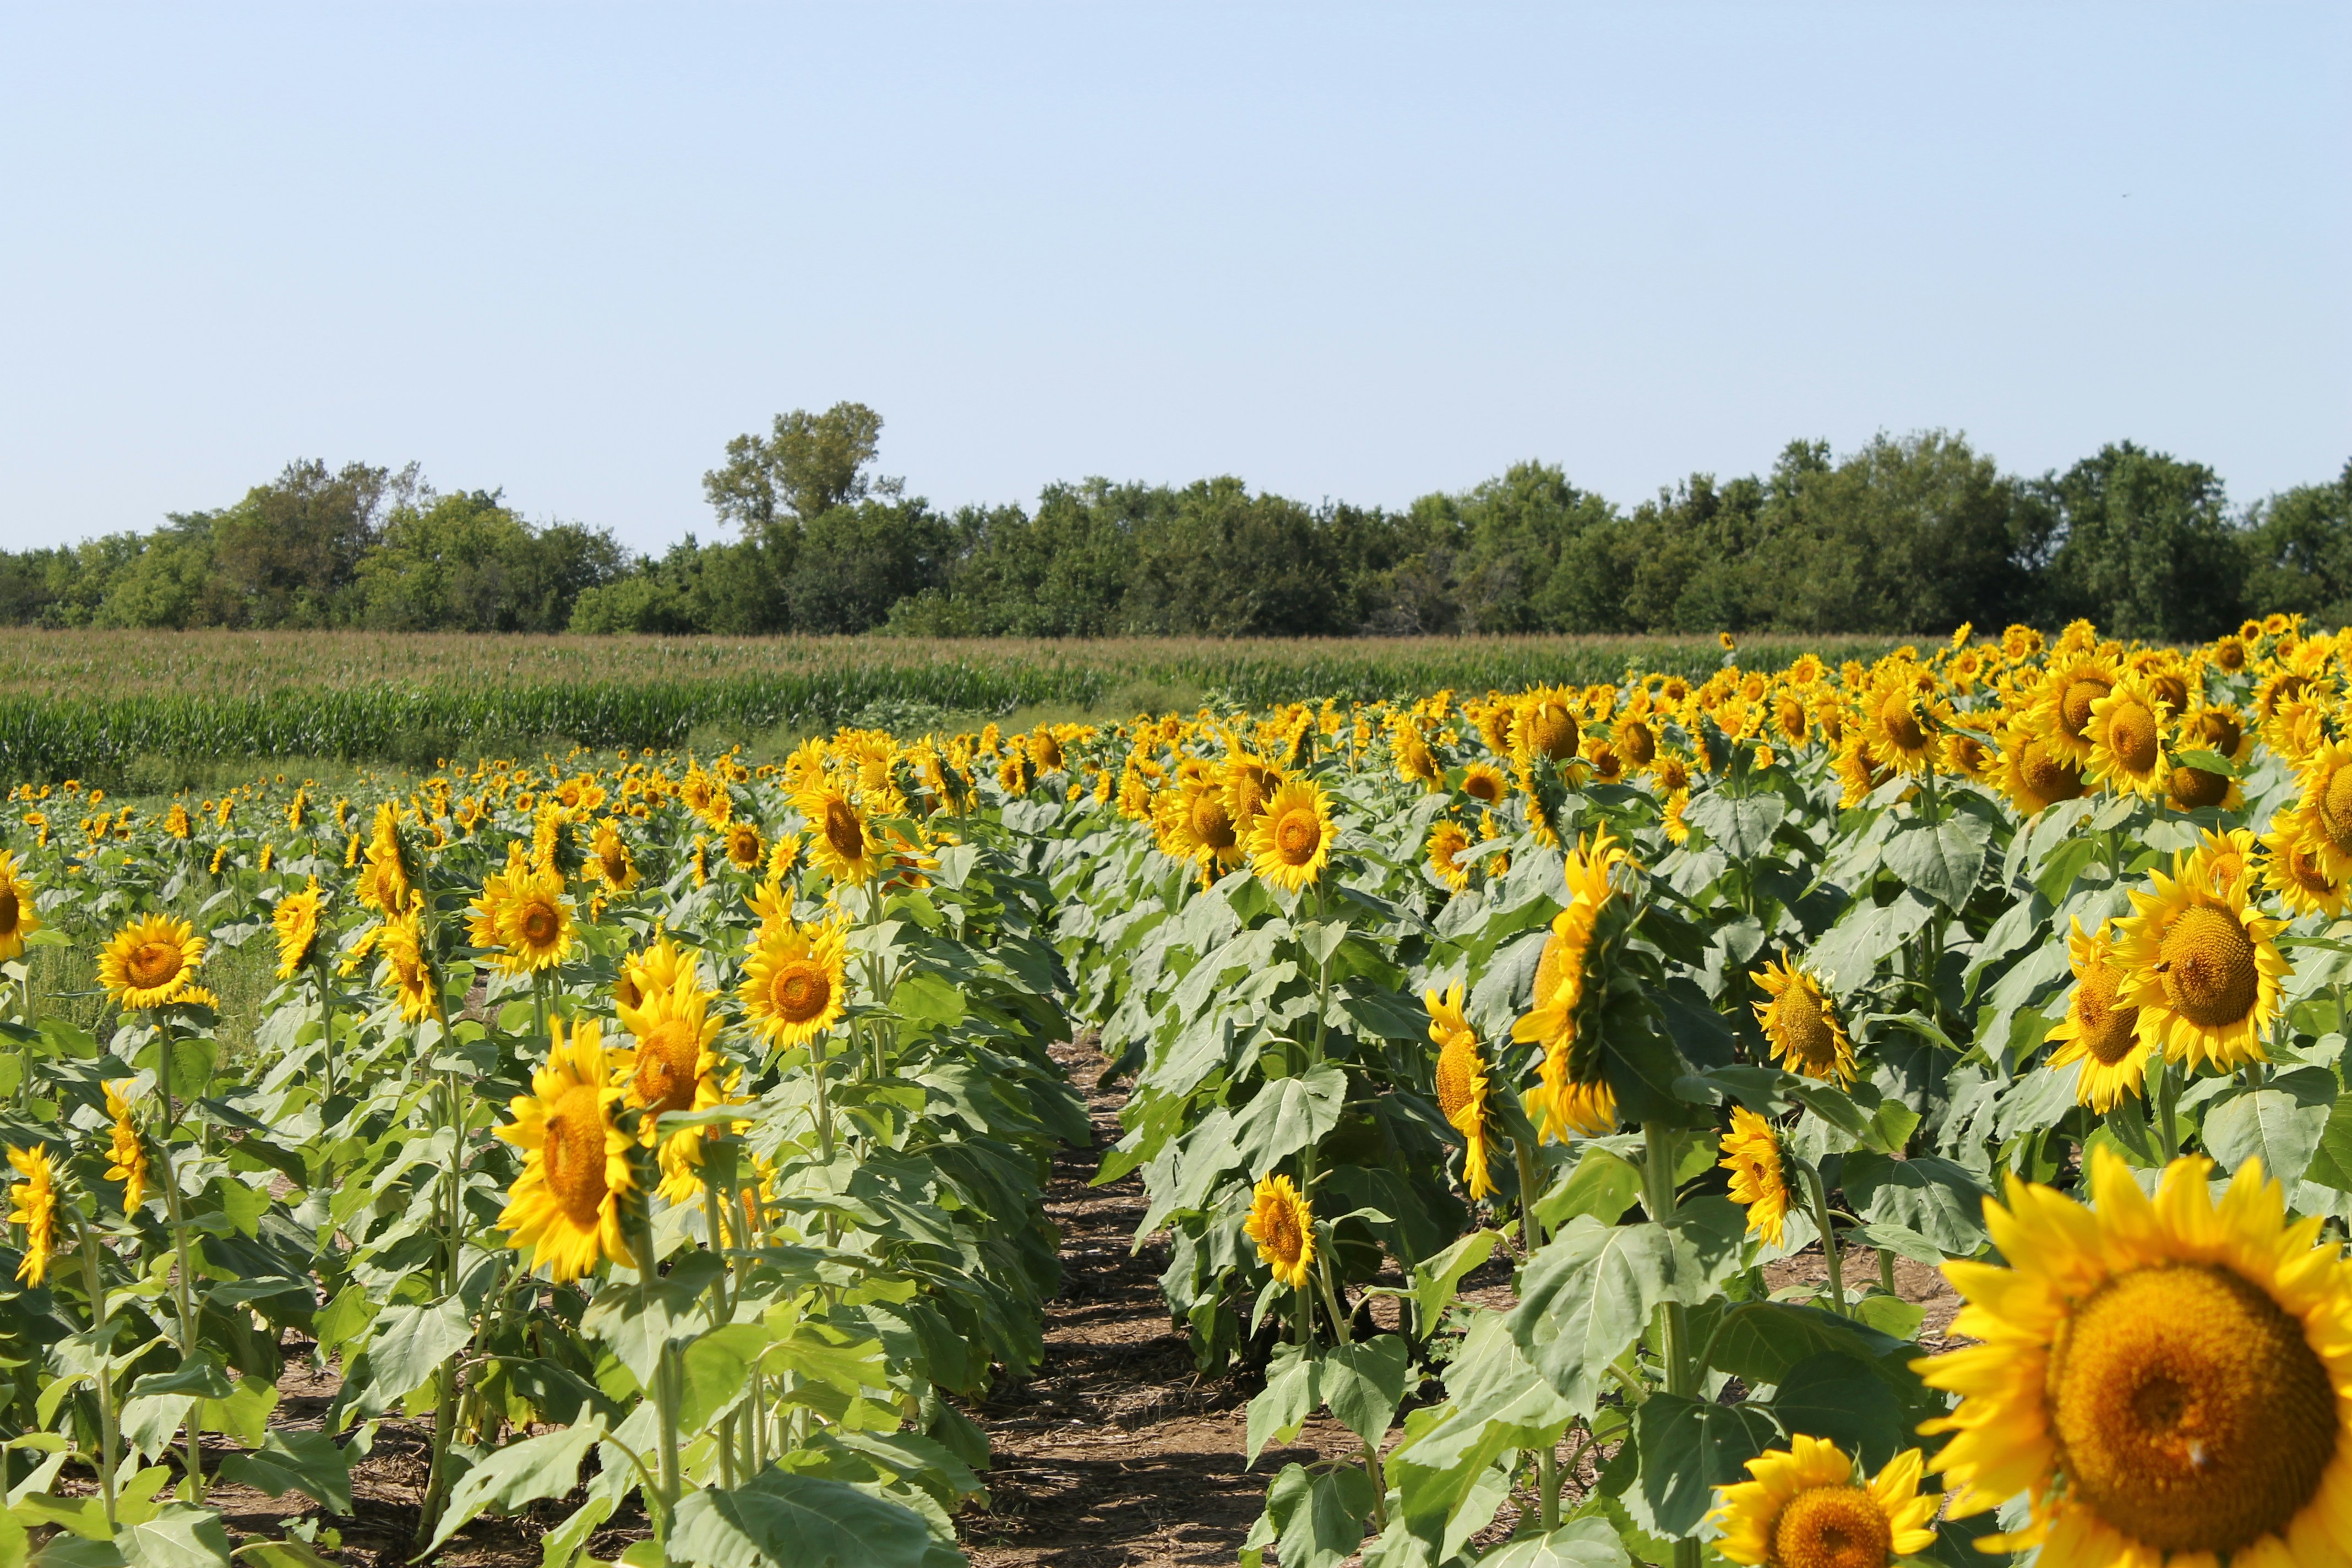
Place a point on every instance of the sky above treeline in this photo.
(1354, 251)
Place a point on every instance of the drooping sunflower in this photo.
(384, 885)
(2100, 1030)
(401, 941)
(2165, 1380)
(127, 1152)
(2201, 967)
(1806, 1506)
(1291, 842)
(1416, 764)
(151, 961)
(1751, 1153)
(17, 919)
(1446, 843)
(609, 858)
(844, 847)
(1802, 1023)
(35, 1200)
(565, 1207)
(795, 984)
(2127, 734)
(1249, 784)
(296, 920)
(1484, 783)
(672, 1067)
(1282, 1223)
(1573, 1096)
(2213, 729)
(1545, 726)
(1462, 1085)
(1198, 827)
(2291, 867)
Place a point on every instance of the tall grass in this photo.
(92, 704)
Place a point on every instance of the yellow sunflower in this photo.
(296, 920)
(2167, 1381)
(2201, 967)
(672, 1068)
(1282, 1223)
(127, 1153)
(524, 916)
(842, 846)
(2100, 1031)
(1802, 1023)
(745, 847)
(1897, 724)
(384, 885)
(1805, 1507)
(1199, 827)
(1545, 727)
(1291, 843)
(2036, 772)
(17, 919)
(151, 961)
(1572, 1097)
(795, 984)
(609, 858)
(2065, 700)
(401, 941)
(35, 1200)
(1249, 784)
(1484, 783)
(657, 968)
(1446, 843)
(1415, 762)
(1751, 1153)
(1460, 1083)
(2326, 805)
(565, 1207)
(2127, 734)
(2291, 867)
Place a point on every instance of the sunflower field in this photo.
(1560, 1091)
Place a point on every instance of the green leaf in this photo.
(244, 1205)
(286, 1554)
(1764, 1341)
(715, 1371)
(309, 1462)
(1833, 1395)
(1688, 1448)
(928, 999)
(1740, 826)
(1942, 859)
(1318, 1519)
(1435, 1279)
(1939, 1199)
(2331, 1163)
(1289, 1114)
(2280, 1124)
(1604, 1186)
(784, 1520)
(639, 1321)
(411, 1342)
(1294, 1388)
(1364, 1383)
(543, 1466)
(1579, 1543)
(179, 1536)
(1586, 1297)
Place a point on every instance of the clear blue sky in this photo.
(1362, 252)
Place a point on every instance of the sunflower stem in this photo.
(1822, 1222)
(2168, 1101)
(1547, 1487)
(109, 1436)
(1658, 1150)
(1530, 1226)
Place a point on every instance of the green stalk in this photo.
(665, 1389)
(326, 1019)
(182, 1284)
(1673, 1329)
(1828, 1239)
(1530, 1228)
(109, 1436)
(2168, 1101)
(721, 1310)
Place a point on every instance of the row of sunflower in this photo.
(665, 1136)
(1575, 1095)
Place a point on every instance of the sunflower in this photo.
(2100, 1030)
(36, 1198)
(2065, 700)
(17, 919)
(1899, 729)
(1460, 1083)
(401, 940)
(1198, 827)
(609, 858)
(384, 885)
(1446, 843)
(1484, 783)
(2200, 966)
(2127, 734)
(1249, 784)
(566, 1205)
(1802, 1023)
(1751, 1153)
(1805, 1508)
(1545, 726)
(795, 984)
(151, 961)
(1282, 1223)
(2036, 771)
(2291, 867)
(2166, 1380)
(745, 849)
(673, 1067)
(1415, 762)
(841, 844)
(536, 924)
(1574, 1097)
(296, 919)
(1291, 842)
(127, 1154)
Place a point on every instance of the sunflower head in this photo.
(1751, 1153)
(126, 1153)
(1805, 1506)
(296, 920)
(1291, 842)
(745, 849)
(1802, 1023)
(17, 919)
(1281, 1222)
(2036, 771)
(2127, 733)
(566, 1208)
(2201, 966)
(839, 842)
(151, 961)
(2291, 867)
(1547, 727)
(2101, 1030)
(795, 984)
(1446, 843)
(2163, 1379)
(36, 1208)
(1484, 783)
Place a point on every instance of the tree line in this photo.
(1914, 533)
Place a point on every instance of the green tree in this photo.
(2145, 546)
(2299, 550)
(806, 466)
(290, 551)
(465, 561)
